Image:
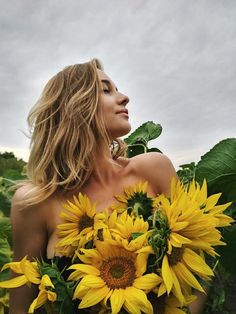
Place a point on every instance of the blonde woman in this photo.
(74, 126)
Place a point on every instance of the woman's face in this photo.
(114, 109)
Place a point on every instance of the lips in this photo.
(123, 111)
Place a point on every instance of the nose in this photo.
(123, 99)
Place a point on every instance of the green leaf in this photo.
(187, 173)
(5, 204)
(154, 149)
(5, 228)
(5, 252)
(218, 166)
(146, 132)
(228, 252)
(136, 149)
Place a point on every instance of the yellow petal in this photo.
(80, 291)
(177, 240)
(166, 274)
(117, 300)
(87, 269)
(161, 290)
(14, 282)
(139, 297)
(196, 263)
(93, 296)
(14, 266)
(92, 281)
(148, 281)
(39, 301)
(131, 307)
(177, 289)
(211, 201)
(182, 272)
(202, 196)
(141, 264)
(46, 281)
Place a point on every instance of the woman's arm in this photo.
(29, 238)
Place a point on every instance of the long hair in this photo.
(66, 128)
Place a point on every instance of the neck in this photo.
(105, 170)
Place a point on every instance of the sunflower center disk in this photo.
(176, 255)
(85, 222)
(118, 272)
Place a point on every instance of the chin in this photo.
(121, 132)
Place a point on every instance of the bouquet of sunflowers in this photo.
(145, 256)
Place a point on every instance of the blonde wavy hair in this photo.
(66, 129)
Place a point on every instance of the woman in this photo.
(75, 123)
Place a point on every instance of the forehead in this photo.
(103, 76)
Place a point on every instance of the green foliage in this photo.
(9, 161)
(11, 169)
(5, 204)
(5, 257)
(64, 289)
(218, 166)
(138, 140)
(187, 173)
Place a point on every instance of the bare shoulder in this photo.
(20, 194)
(28, 226)
(156, 168)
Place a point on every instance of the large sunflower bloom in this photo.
(81, 224)
(111, 273)
(135, 199)
(130, 231)
(178, 271)
(191, 218)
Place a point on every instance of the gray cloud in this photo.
(175, 60)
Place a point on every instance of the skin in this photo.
(34, 227)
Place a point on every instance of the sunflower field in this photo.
(217, 167)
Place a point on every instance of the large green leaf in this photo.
(218, 166)
(146, 132)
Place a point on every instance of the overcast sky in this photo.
(174, 59)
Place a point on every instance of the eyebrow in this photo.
(109, 83)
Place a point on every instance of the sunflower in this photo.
(130, 231)
(135, 200)
(81, 223)
(29, 273)
(191, 218)
(178, 271)
(45, 294)
(208, 204)
(112, 274)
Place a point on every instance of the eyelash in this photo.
(106, 90)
